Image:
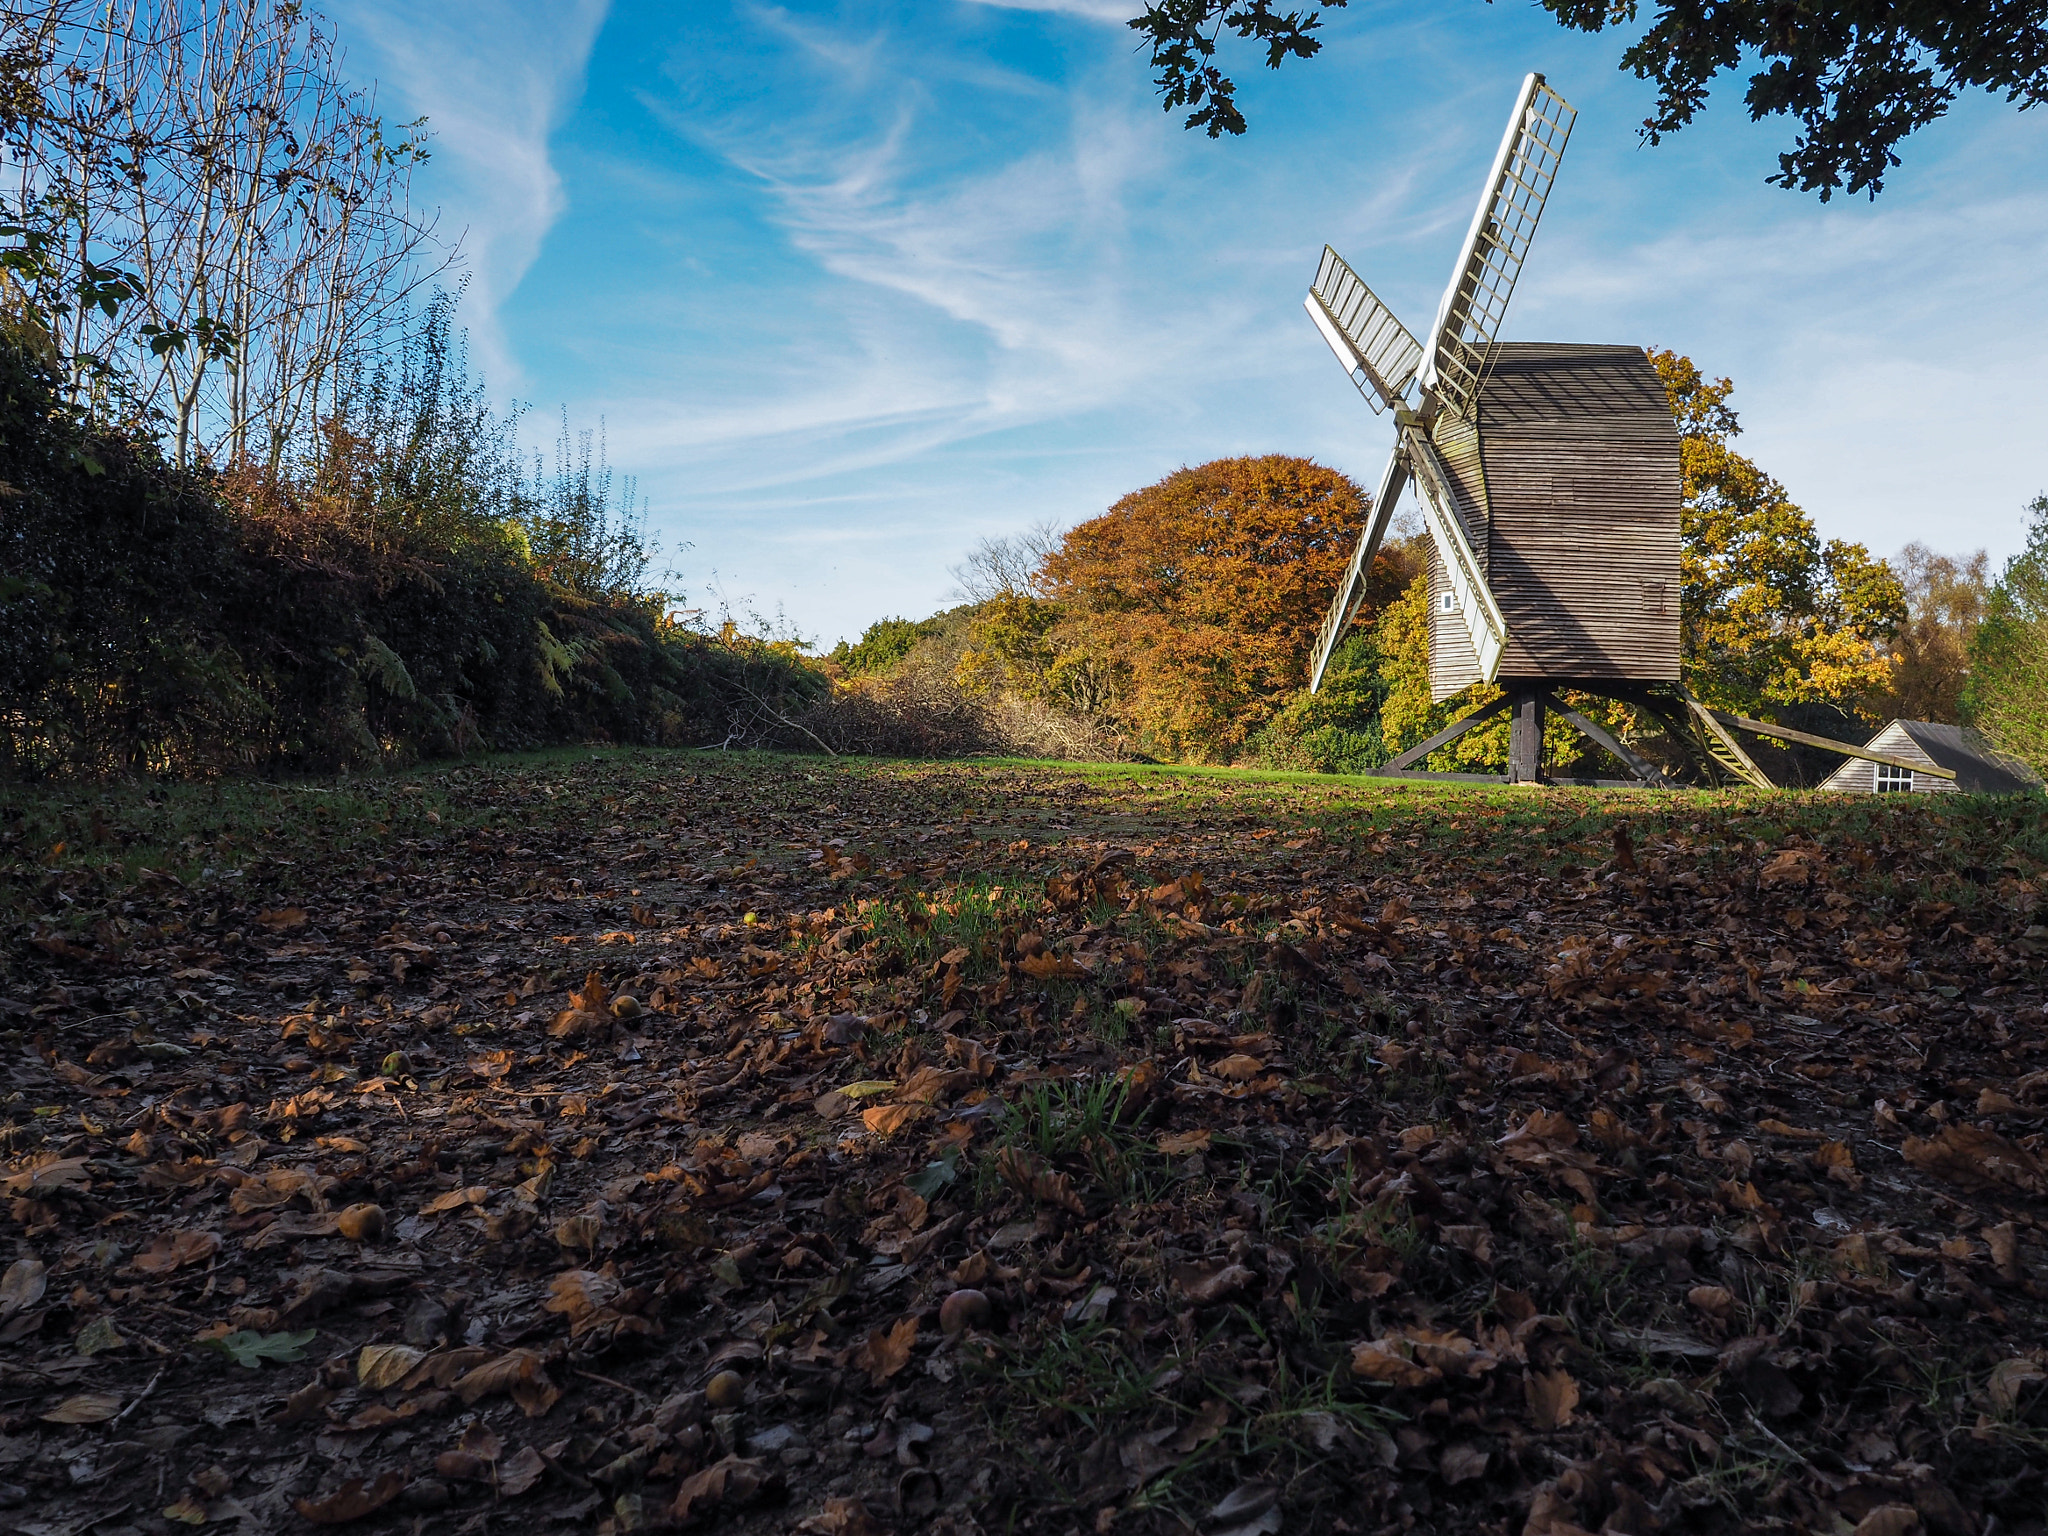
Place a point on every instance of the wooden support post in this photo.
(1444, 737)
(1598, 734)
(1525, 736)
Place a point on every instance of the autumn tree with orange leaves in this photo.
(1202, 595)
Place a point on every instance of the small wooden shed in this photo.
(1978, 769)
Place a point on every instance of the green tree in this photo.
(2007, 694)
(1859, 75)
(882, 646)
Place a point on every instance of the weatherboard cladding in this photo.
(1577, 485)
(1978, 769)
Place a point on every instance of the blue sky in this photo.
(852, 286)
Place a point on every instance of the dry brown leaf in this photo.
(45, 1175)
(282, 919)
(843, 1517)
(1239, 1068)
(2004, 1242)
(1182, 1143)
(888, 1119)
(883, 1354)
(1208, 1422)
(936, 1085)
(1023, 1171)
(1972, 1158)
(1392, 1360)
(1207, 1284)
(386, 1365)
(1714, 1300)
(1050, 967)
(22, 1286)
(518, 1372)
(169, 1251)
(377, 1416)
(519, 1472)
(306, 1402)
(731, 1481)
(2009, 1378)
(1889, 1520)
(1462, 1462)
(455, 1199)
(1552, 1396)
(1791, 867)
(1544, 1131)
(352, 1500)
(85, 1408)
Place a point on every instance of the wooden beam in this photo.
(1446, 736)
(1525, 737)
(1424, 773)
(1726, 750)
(1598, 734)
(1784, 733)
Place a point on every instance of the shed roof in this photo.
(1979, 768)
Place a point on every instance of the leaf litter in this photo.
(654, 1141)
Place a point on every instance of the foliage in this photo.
(1200, 596)
(1182, 35)
(1772, 616)
(1946, 597)
(2008, 688)
(1338, 728)
(882, 645)
(250, 1349)
(1860, 75)
(163, 621)
(1409, 716)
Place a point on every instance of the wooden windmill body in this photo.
(1548, 477)
(1567, 485)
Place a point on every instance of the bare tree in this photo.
(1008, 565)
(221, 226)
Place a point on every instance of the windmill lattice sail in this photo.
(1498, 242)
(1375, 348)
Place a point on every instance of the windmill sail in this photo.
(1352, 588)
(1375, 348)
(1469, 318)
(1482, 616)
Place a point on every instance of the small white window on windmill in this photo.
(1892, 779)
(1447, 602)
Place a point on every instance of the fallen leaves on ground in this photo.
(1346, 1158)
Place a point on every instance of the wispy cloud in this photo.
(1114, 12)
(493, 78)
(852, 285)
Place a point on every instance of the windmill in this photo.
(1548, 477)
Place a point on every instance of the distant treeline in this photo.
(1178, 625)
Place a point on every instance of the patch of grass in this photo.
(1079, 1124)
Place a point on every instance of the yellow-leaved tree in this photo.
(1772, 615)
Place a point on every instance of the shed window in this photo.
(1447, 603)
(1891, 778)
